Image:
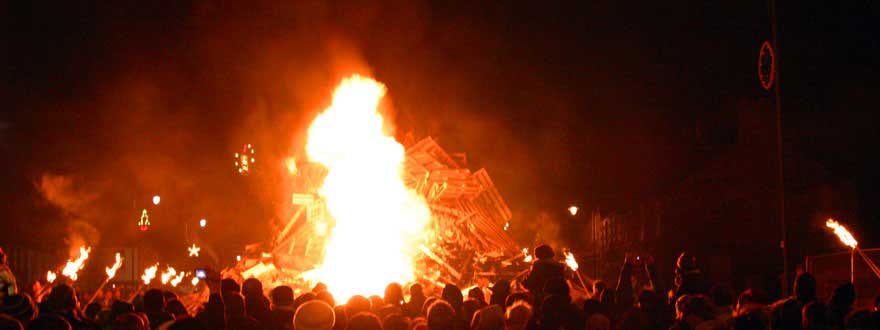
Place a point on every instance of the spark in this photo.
(194, 250)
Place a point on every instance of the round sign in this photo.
(767, 65)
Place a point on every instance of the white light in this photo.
(203, 223)
(156, 200)
(237, 258)
(573, 210)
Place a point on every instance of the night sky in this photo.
(588, 102)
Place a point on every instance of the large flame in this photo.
(379, 221)
(844, 235)
(111, 271)
(73, 266)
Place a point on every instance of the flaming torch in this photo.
(177, 279)
(50, 276)
(573, 264)
(111, 272)
(73, 266)
(169, 273)
(527, 257)
(847, 239)
(150, 274)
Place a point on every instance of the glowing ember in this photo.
(573, 210)
(50, 276)
(526, 256)
(379, 221)
(844, 235)
(150, 274)
(194, 250)
(73, 266)
(569, 260)
(177, 279)
(169, 273)
(111, 271)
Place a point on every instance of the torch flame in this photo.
(569, 260)
(168, 274)
(378, 219)
(50, 276)
(149, 274)
(526, 256)
(177, 279)
(73, 266)
(111, 271)
(844, 235)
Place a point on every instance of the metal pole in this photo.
(852, 267)
(779, 159)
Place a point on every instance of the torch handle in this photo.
(868, 261)
(99, 290)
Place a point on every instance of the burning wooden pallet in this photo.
(468, 214)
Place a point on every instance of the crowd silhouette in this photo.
(542, 301)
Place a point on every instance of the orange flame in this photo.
(150, 274)
(379, 221)
(527, 257)
(50, 276)
(177, 279)
(569, 260)
(168, 274)
(844, 235)
(111, 271)
(73, 266)
(291, 165)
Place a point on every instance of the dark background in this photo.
(596, 103)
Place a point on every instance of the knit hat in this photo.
(19, 306)
(314, 315)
